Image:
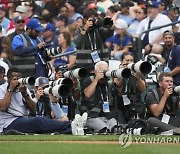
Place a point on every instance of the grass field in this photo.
(67, 144)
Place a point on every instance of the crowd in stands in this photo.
(84, 56)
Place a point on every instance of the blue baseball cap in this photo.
(34, 24)
(17, 18)
(153, 4)
(49, 27)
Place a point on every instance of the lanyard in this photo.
(93, 45)
(106, 89)
(169, 57)
(126, 86)
(39, 55)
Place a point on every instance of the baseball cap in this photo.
(62, 18)
(168, 32)
(2, 7)
(153, 4)
(21, 9)
(41, 81)
(72, 3)
(34, 24)
(120, 23)
(49, 27)
(18, 18)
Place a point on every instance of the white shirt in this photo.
(3, 64)
(105, 5)
(15, 110)
(160, 20)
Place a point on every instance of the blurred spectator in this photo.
(124, 13)
(63, 10)
(20, 11)
(4, 22)
(105, 4)
(11, 10)
(49, 37)
(19, 26)
(7, 53)
(72, 14)
(64, 41)
(163, 7)
(154, 19)
(121, 42)
(140, 14)
(71, 30)
(32, 8)
(53, 7)
(45, 16)
(60, 24)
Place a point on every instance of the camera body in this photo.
(61, 67)
(102, 22)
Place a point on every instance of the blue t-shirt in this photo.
(64, 59)
(122, 41)
(174, 61)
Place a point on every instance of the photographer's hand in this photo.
(40, 45)
(99, 75)
(22, 89)
(88, 24)
(13, 84)
(58, 75)
(168, 92)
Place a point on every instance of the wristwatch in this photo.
(9, 90)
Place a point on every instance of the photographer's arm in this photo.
(175, 71)
(157, 109)
(90, 90)
(140, 83)
(72, 61)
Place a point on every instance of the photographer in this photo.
(27, 50)
(47, 105)
(163, 104)
(15, 104)
(96, 102)
(90, 39)
(69, 102)
(127, 92)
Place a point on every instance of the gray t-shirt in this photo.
(15, 110)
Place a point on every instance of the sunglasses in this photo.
(20, 21)
(139, 12)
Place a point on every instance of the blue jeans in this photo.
(40, 125)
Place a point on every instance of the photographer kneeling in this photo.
(163, 104)
(126, 92)
(47, 105)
